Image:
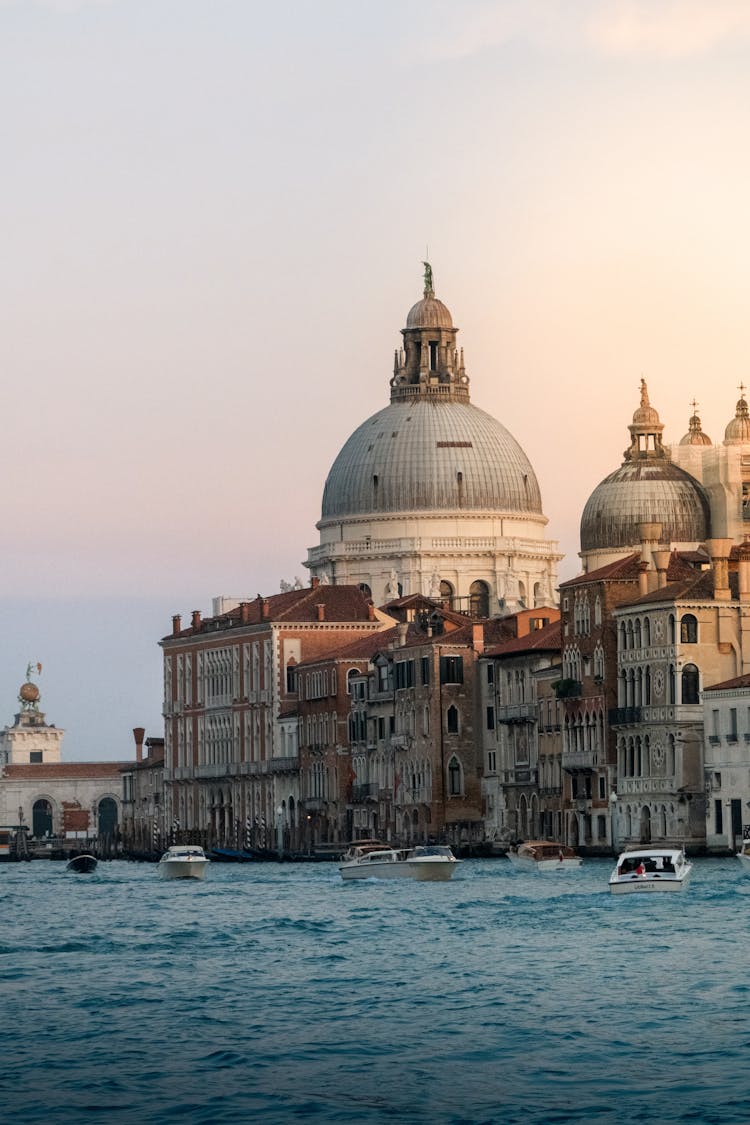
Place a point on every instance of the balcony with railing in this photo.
(517, 713)
(579, 760)
(624, 716)
(285, 765)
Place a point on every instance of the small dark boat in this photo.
(82, 863)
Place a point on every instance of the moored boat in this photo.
(544, 855)
(650, 869)
(743, 855)
(82, 864)
(426, 863)
(183, 861)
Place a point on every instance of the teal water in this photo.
(276, 993)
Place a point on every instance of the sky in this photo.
(214, 215)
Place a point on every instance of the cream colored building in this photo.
(52, 798)
(433, 496)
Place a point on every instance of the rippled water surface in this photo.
(278, 993)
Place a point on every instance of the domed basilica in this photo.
(695, 490)
(431, 495)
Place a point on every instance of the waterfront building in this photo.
(433, 496)
(50, 797)
(143, 826)
(587, 691)
(726, 723)
(512, 668)
(675, 641)
(231, 767)
(416, 754)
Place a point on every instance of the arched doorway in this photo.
(41, 824)
(107, 818)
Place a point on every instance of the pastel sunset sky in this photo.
(213, 223)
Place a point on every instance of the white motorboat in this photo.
(184, 861)
(650, 869)
(743, 855)
(544, 855)
(426, 863)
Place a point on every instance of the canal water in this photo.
(277, 993)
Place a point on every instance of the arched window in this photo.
(446, 594)
(690, 684)
(670, 629)
(672, 684)
(479, 599)
(365, 589)
(455, 778)
(647, 631)
(451, 720)
(689, 629)
(647, 687)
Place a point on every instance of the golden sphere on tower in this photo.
(29, 693)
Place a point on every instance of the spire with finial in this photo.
(695, 435)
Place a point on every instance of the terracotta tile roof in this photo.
(695, 584)
(547, 639)
(622, 568)
(341, 603)
(727, 685)
(64, 770)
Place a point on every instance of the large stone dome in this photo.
(645, 492)
(433, 496)
(429, 454)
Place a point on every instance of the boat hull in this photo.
(547, 865)
(183, 868)
(644, 885)
(423, 871)
(82, 864)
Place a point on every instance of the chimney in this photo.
(138, 735)
(650, 534)
(661, 562)
(176, 624)
(244, 613)
(321, 611)
(314, 582)
(403, 628)
(370, 611)
(477, 637)
(719, 550)
(196, 620)
(264, 609)
(642, 577)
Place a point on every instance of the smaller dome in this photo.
(738, 429)
(429, 313)
(695, 435)
(29, 693)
